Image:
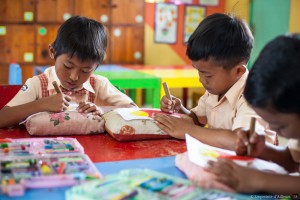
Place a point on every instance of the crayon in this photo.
(168, 94)
(251, 131)
(54, 83)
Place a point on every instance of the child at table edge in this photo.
(277, 101)
(219, 49)
(79, 48)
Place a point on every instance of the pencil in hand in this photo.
(54, 83)
(168, 94)
(251, 131)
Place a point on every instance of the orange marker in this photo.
(61, 168)
(11, 181)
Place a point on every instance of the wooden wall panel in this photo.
(17, 11)
(124, 13)
(125, 45)
(18, 44)
(27, 27)
(98, 10)
(53, 10)
(45, 35)
(4, 73)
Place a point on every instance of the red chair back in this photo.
(7, 92)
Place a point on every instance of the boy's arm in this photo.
(220, 138)
(178, 127)
(281, 156)
(10, 116)
(279, 184)
(264, 150)
(248, 180)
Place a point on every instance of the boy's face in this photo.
(72, 72)
(285, 124)
(214, 78)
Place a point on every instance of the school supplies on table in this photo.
(141, 184)
(38, 146)
(43, 163)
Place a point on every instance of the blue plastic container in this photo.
(15, 74)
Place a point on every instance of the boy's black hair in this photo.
(83, 37)
(224, 38)
(274, 79)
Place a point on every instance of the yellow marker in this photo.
(46, 169)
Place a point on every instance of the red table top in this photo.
(104, 148)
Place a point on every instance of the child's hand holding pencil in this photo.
(251, 131)
(250, 143)
(168, 103)
(58, 103)
(57, 89)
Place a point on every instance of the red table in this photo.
(104, 148)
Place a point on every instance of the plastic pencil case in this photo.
(20, 173)
(141, 184)
(39, 146)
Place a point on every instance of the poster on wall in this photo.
(192, 17)
(209, 2)
(166, 23)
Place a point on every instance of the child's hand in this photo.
(257, 141)
(55, 103)
(88, 107)
(169, 106)
(174, 126)
(239, 178)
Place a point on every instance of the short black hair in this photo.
(86, 38)
(274, 79)
(223, 37)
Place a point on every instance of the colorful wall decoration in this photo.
(172, 53)
(166, 23)
(192, 17)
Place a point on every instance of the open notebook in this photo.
(200, 153)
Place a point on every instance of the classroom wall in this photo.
(169, 54)
(294, 16)
(166, 54)
(240, 8)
